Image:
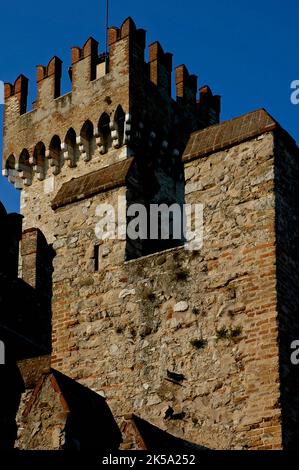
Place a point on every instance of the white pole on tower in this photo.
(106, 29)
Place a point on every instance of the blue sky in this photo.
(247, 51)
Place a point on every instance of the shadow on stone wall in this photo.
(25, 317)
(12, 387)
(62, 414)
(287, 250)
(154, 180)
(90, 425)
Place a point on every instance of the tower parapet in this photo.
(119, 106)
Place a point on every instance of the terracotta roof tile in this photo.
(228, 133)
(88, 185)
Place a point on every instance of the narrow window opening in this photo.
(97, 258)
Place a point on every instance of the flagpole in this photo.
(107, 25)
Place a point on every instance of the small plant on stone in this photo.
(133, 332)
(198, 343)
(223, 333)
(178, 416)
(138, 270)
(119, 329)
(226, 333)
(181, 274)
(148, 294)
(145, 330)
(236, 332)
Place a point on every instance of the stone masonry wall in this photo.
(210, 316)
(40, 433)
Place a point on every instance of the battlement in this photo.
(128, 29)
(160, 67)
(18, 91)
(48, 77)
(208, 107)
(117, 101)
(186, 84)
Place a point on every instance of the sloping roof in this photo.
(146, 436)
(74, 396)
(3, 212)
(228, 133)
(88, 417)
(93, 183)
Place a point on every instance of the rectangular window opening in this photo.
(97, 258)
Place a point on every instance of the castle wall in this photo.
(209, 315)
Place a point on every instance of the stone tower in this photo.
(194, 342)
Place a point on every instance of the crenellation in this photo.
(113, 35)
(208, 107)
(186, 94)
(84, 65)
(160, 67)
(186, 84)
(48, 82)
(16, 97)
(128, 29)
